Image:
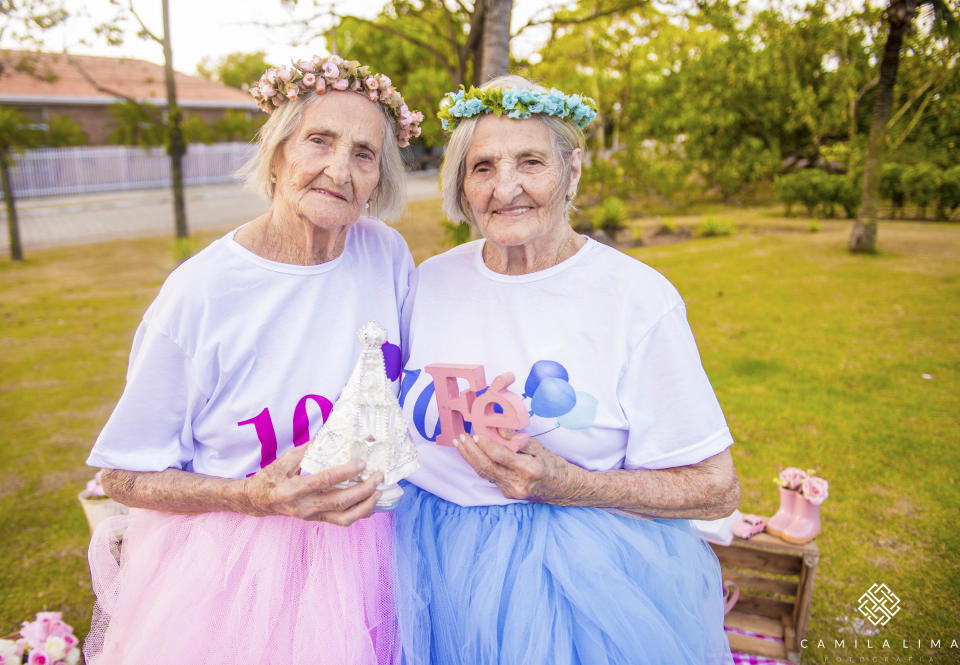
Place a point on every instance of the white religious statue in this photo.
(366, 423)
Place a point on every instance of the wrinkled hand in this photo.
(533, 473)
(279, 489)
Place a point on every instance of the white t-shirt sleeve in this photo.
(150, 428)
(675, 418)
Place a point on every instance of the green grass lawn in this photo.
(817, 356)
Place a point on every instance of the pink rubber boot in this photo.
(785, 513)
(806, 525)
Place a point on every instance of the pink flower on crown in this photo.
(267, 90)
(356, 86)
(341, 84)
(70, 640)
(372, 96)
(384, 81)
(387, 92)
(38, 658)
(336, 59)
(285, 73)
(321, 86)
(307, 66)
(371, 83)
(276, 100)
(309, 78)
(815, 490)
(792, 477)
(330, 70)
(293, 93)
(270, 75)
(416, 131)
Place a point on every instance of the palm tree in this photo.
(899, 16)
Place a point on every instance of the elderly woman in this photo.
(572, 545)
(231, 555)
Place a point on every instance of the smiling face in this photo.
(328, 168)
(513, 181)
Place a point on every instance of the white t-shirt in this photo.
(238, 358)
(635, 393)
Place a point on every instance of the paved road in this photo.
(88, 218)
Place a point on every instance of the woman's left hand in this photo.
(534, 473)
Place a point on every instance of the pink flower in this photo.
(271, 75)
(309, 78)
(330, 70)
(267, 90)
(386, 92)
(285, 73)
(356, 85)
(275, 100)
(307, 66)
(321, 86)
(371, 83)
(385, 81)
(70, 641)
(791, 477)
(292, 93)
(372, 95)
(335, 59)
(815, 490)
(341, 84)
(38, 658)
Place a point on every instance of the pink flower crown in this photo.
(278, 84)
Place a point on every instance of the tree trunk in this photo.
(496, 39)
(899, 15)
(175, 146)
(13, 226)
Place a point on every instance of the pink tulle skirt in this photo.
(224, 589)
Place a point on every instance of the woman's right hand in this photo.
(279, 489)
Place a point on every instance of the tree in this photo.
(237, 70)
(176, 146)
(63, 131)
(899, 17)
(15, 135)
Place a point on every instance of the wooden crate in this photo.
(776, 587)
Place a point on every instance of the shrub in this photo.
(610, 216)
(949, 192)
(811, 187)
(847, 193)
(921, 184)
(891, 187)
(713, 226)
(669, 225)
(815, 226)
(456, 234)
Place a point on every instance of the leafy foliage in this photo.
(238, 69)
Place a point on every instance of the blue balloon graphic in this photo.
(540, 371)
(554, 397)
(582, 415)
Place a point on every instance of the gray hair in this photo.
(565, 137)
(387, 200)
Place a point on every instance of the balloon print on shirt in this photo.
(547, 387)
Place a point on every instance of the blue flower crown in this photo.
(518, 104)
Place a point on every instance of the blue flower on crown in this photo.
(472, 107)
(517, 104)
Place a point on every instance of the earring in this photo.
(273, 180)
(366, 205)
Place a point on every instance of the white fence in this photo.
(51, 171)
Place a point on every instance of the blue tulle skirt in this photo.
(536, 584)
